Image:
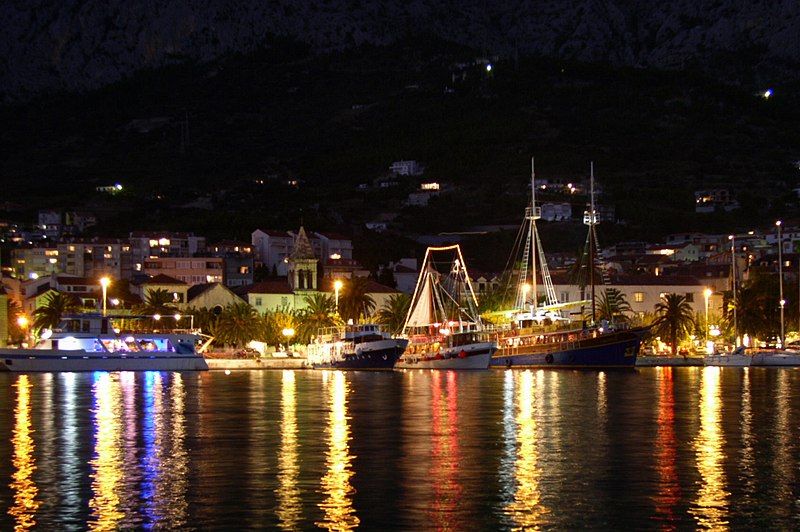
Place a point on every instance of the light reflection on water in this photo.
(711, 503)
(670, 448)
(289, 504)
(337, 506)
(22, 484)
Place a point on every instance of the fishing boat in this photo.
(543, 334)
(93, 342)
(363, 346)
(442, 324)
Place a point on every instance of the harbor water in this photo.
(653, 448)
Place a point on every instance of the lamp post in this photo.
(780, 279)
(23, 323)
(733, 289)
(337, 285)
(104, 283)
(288, 333)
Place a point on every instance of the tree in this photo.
(320, 312)
(674, 319)
(237, 325)
(273, 323)
(393, 312)
(204, 319)
(49, 315)
(16, 334)
(612, 306)
(158, 301)
(355, 303)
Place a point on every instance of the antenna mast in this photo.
(590, 219)
(535, 215)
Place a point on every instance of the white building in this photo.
(409, 168)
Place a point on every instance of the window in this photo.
(259, 302)
(564, 297)
(244, 270)
(690, 297)
(638, 297)
(284, 301)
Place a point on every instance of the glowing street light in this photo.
(337, 285)
(23, 322)
(288, 333)
(104, 283)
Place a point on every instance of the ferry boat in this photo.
(541, 335)
(364, 346)
(92, 342)
(442, 324)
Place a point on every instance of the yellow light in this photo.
(157, 317)
(526, 288)
(177, 317)
(23, 322)
(707, 292)
(105, 282)
(288, 332)
(337, 285)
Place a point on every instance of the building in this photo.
(163, 244)
(214, 296)
(405, 274)
(238, 261)
(4, 327)
(34, 262)
(272, 249)
(407, 168)
(423, 195)
(710, 200)
(51, 224)
(190, 270)
(556, 212)
(96, 257)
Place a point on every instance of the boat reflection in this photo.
(69, 462)
(107, 462)
(289, 504)
(445, 451)
(710, 508)
(22, 483)
(669, 493)
(526, 508)
(337, 507)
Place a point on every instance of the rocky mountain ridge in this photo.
(76, 45)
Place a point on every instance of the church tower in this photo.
(302, 264)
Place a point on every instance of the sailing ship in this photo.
(360, 346)
(443, 325)
(526, 342)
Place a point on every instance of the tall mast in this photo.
(533, 235)
(590, 219)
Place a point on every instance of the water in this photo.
(655, 448)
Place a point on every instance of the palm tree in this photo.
(355, 303)
(612, 306)
(674, 319)
(158, 301)
(393, 312)
(204, 318)
(55, 307)
(238, 324)
(320, 312)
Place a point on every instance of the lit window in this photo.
(638, 297)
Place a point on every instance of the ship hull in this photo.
(776, 359)
(380, 355)
(613, 350)
(29, 361)
(735, 361)
(474, 356)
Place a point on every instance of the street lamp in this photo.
(23, 322)
(780, 277)
(104, 283)
(733, 289)
(337, 285)
(288, 332)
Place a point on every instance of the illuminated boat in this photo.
(355, 347)
(443, 325)
(92, 342)
(541, 335)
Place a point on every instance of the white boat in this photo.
(443, 327)
(737, 358)
(776, 358)
(90, 342)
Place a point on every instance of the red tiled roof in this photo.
(272, 286)
(372, 287)
(162, 279)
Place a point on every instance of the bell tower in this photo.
(302, 264)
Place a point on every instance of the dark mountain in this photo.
(80, 44)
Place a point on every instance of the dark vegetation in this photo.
(336, 121)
